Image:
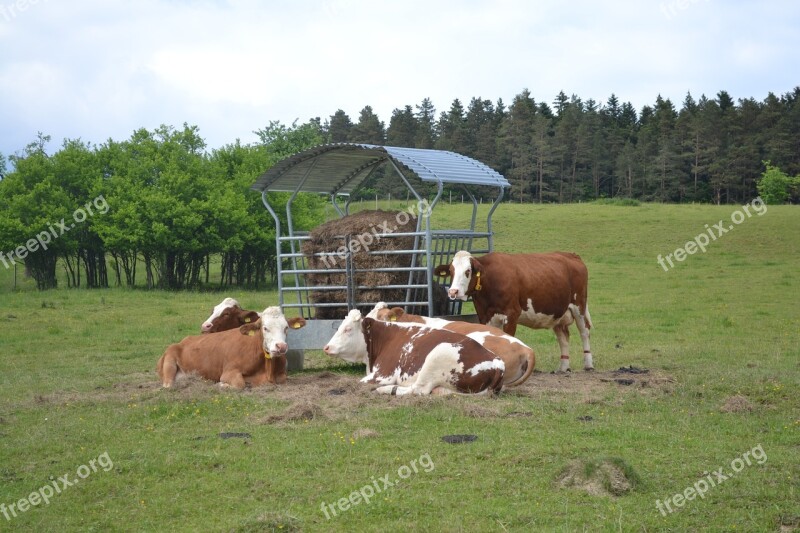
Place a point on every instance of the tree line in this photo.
(711, 150)
(174, 206)
(171, 208)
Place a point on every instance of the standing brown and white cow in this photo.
(227, 315)
(404, 358)
(254, 353)
(541, 291)
(517, 357)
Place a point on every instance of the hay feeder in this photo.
(359, 259)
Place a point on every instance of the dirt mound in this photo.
(303, 410)
(365, 433)
(600, 477)
(737, 404)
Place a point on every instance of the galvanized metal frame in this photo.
(438, 245)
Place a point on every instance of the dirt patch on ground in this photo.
(337, 394)
(737, 404)
(603, 477)
(592, 387)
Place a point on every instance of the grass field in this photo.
(718, 334)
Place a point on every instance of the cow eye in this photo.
(468, 273)
(348, 329)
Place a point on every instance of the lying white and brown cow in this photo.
(517, 357)
(226, 315)
(254, 353)
(541, 291)
(405, 358)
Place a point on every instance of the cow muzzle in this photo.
(279, 349)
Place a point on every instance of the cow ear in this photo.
(246, 317)
(396, 313)
(296, 322)
(476, 265)
(366, 324)
(443, 271)
(251, 328)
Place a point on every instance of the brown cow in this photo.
(536, 290)
(404, 358)
(227, 315)
(517, 357)
(254, 353)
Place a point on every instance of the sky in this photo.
(99, 69)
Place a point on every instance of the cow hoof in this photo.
(591, 369)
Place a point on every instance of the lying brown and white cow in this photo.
(404, 358)
(227, 315)
(254, 353)
(536, 290)
(517, 357)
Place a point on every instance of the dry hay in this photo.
(737, 404)
(604, 477)
(332, 235)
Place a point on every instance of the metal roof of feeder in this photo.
(342, 167)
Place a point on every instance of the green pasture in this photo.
(718, 334)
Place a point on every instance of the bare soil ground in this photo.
(335, 395)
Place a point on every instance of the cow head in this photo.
(348, 342)
(227, 315)
(466, 273)
(273, 326)
(389, 314)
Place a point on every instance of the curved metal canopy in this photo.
(341, 168)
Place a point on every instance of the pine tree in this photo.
(369, 129)
(339, 127)
(426, 117)
(402, 129)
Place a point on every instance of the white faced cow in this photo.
(254, 353)
(404, 358)
(227, 315)
(536, 290)
(517, 357)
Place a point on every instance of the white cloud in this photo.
(95, 69)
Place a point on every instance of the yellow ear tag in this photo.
(267, 355)
(296, 325)
(478, 282)
(247, 320)
(251, 332)
(393, 319)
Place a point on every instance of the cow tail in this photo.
(528, 372)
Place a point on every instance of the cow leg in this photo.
(168, 367)
(258, 379)
(584, 323)
(233, 378)
(562, 334)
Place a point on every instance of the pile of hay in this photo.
(333, 235)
